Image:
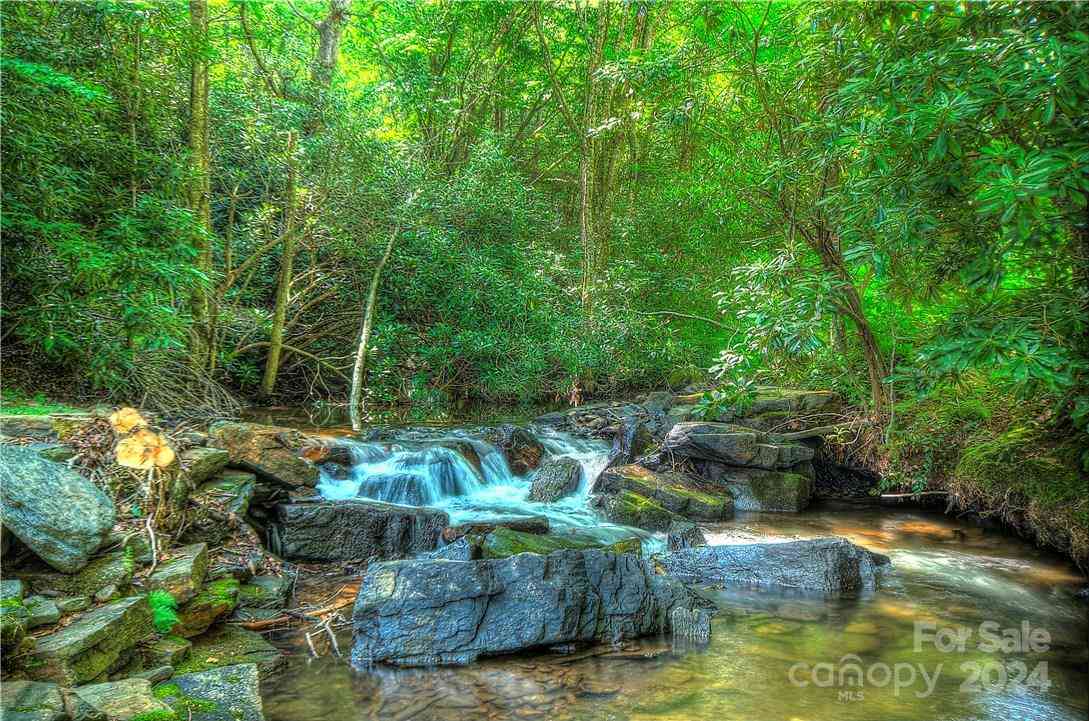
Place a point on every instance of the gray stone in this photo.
(200, 464)
(72, 604)
(157, 674)
(269, 451)
(522, 451)
(31, 701)
(230, 693)
(265, 592)
(93, 644)
(731, 444)
(230, 645)
(13, 614)
(124, 700)
(675, 492)
(183, 575)
(628, 508)
(57, 513)
(353, 530)
(555, 479)
(466, 548)
(57, 452)
(827, 566)
(632, 440)
(684, 534)
(169, 651)
(482, 527)
(112, 570)
(43, 611)
(773, 491)
(219, 505)
(426, 612)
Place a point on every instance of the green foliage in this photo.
(15, 402)
(164, 610)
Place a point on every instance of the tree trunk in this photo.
(359, 369)
(329, 32)
(200, 186)
(283, 285)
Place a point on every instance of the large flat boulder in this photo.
(732, 444)
(230, 693)
(826, 566)
(93, 644)
(230, 645)
(629, 508)
(57, 513)
(130, 699)
(673, 491)
(555, 479)
(775, 491)
(525, 524)
(427, 612)
(353, 530)
(272, 452)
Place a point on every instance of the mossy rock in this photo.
(265, 592)
(112, 569)
(632, 509)
(31, 701)
(229, 645)
(94, 644)
(672, 491)
(504, 542)
(216, 599)
(633, 546)
(168, 651)
(229, 693)
(183, 575)
(773, 491)
(130, 699)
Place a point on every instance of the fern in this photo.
(164, 611)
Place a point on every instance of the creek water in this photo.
(972, 623)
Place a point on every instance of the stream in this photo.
(971, 624)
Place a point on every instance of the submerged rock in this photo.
(269, 451)
(353, 530)
(672, 491)
(829, 566)
(522, 451)
(555, 479)
(57, 513)
(230, 693)
(425, 612)
(684, 534)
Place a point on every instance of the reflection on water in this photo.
(779, 656)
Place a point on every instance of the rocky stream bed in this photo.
(622, 560)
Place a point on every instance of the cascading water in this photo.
(459, 472)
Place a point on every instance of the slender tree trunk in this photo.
(200, 190)
(283, 285)
(359, 368)
(329, 32)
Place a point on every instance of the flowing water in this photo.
(971, 623)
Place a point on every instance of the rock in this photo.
(428, 612)
(772, 491)
(42, 611)
(353, 530)
(112, 570)
(683, 534)
(157, 675)
(731, 444)
(56, 452)
(107, 593)
(522, 451)
(631, 545)
(466, 548)
(830, 566)
(57, 513)
(632, 441)
(555, 479)
(525, 524)
(200, 464)
(168, 651)
(265, 592)
(229, 493)
(92, 645)
(65, 425)
(13, 615)
(183, 575)
(230, 693)
(228, 645)
(672, 491)
(127, 700)
(269, 451)
(214, 601)
(658, 402)
(72, 604)
(31, 701)
(631, 509)
(504, 542)
(38, 427)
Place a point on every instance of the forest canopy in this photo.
(575, 198)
